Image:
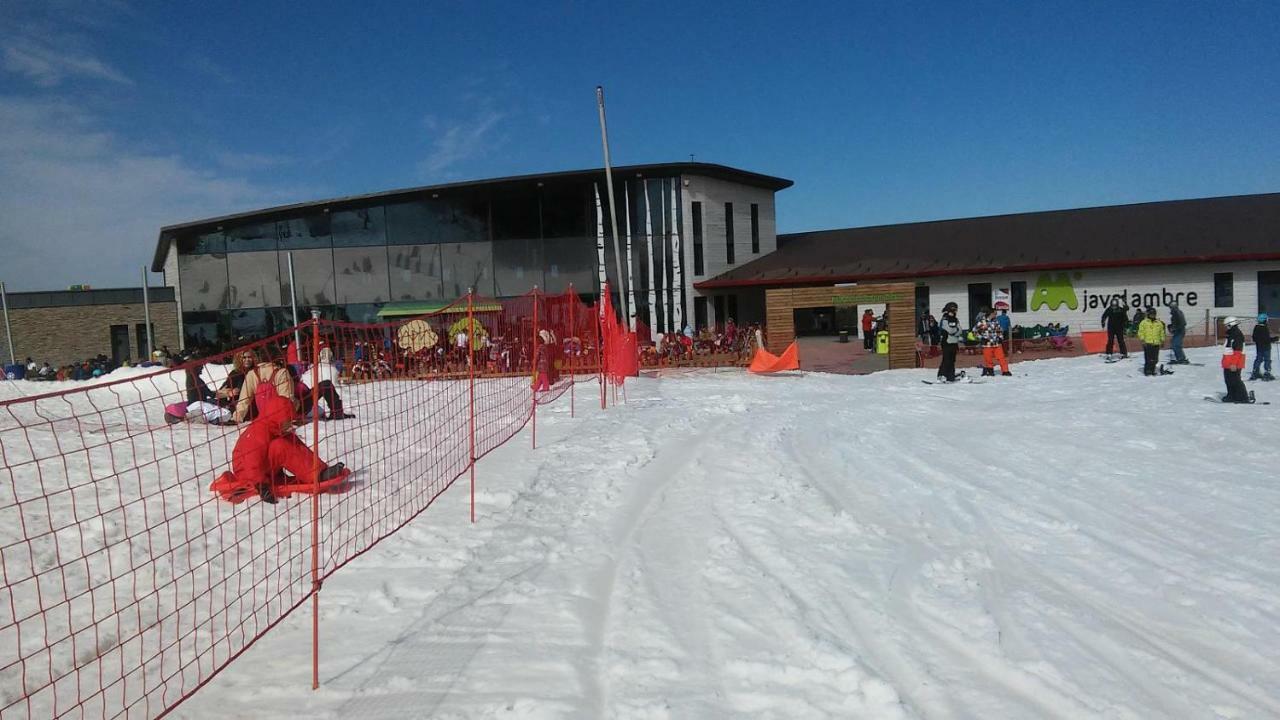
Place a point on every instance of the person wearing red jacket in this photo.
(266, 451)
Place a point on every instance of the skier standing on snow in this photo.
(989, 332)
(1262, 347)
(949, 327)
(1177, 329)
(1151, 334)
(1116, 321)
(1233, 363)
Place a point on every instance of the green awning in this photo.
(410, 309)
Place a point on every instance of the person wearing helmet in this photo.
(1233, 363)
(949, 327)
(1116, 320)
(1262, 340)
(1151, 335)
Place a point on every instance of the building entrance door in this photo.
(1269, 292)
(979, 298)
(119, 343)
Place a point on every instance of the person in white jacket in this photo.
(326, 376)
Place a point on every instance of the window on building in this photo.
(732, 308)
(697, 246)
(1018, 296)
(755, 228)
(719, 306)
(699, 313)
(728, 233)
(140, 332)
(1224, 295)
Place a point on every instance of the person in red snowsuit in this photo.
(268, 449)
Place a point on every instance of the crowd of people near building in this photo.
(86, 369)
(730, 343)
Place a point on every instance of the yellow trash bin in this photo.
(882, 342)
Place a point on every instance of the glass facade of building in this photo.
(348, 262)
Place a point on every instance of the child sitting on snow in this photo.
(198, 410)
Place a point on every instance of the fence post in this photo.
(315, 501)
(471, 394)
(599, 325)
(537, 351)
(573, 328)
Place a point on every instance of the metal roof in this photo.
(95, 296)
(722, 172)
(1222, 229)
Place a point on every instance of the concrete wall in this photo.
(1090, 287)
(62, 335)
(713, 194)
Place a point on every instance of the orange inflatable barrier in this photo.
(766, 362)
(1095, 341)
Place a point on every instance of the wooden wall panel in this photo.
(898, 298)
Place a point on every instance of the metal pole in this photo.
(8, 333)
(613, 219)
(293, 302)
(146, 313)
(572, 361)
(315, 498)
(537, 350)
(471, 393)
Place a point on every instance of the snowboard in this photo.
(1218, 399)
(333, 484)
(961, 381)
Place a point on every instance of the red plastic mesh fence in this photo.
(128, 583)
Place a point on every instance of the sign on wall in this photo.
(1053, 290)
(1000, 300)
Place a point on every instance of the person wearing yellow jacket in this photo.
(1151, 334)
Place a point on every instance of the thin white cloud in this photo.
(47, 66)
(459, 141)
(250, 161)
(80, 205)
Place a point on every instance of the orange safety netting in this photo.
(621, 356)
(766, 362)
(128, 582)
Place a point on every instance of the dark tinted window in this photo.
(360, 227)
(755, 228)
(360, 275)
(697, 241)
(305, 233)
(251, 238)
(1018, 296)
(517, 262)
(728, 235)
(415, 272)
(1224, 294)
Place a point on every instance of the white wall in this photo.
(1092, 285)
(713, 194)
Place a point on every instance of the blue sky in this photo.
(119, 117)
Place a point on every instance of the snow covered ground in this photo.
(1078, 541)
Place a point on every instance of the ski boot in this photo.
(265, 493)
(1268, 377)
(1006, 373)
(1254, 376)
(988, 372)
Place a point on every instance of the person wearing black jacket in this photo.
(1233, 363)
(1116, 321)
(1177, 330)
(950, 330)
(1262, 340)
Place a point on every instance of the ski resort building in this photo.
(700, 246)
(1215, 257)
(361, 257)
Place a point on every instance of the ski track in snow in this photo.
(1077, 542)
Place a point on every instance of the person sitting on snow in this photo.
(268, 454)
(197, 410)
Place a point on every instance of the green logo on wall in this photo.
(1054, 292)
